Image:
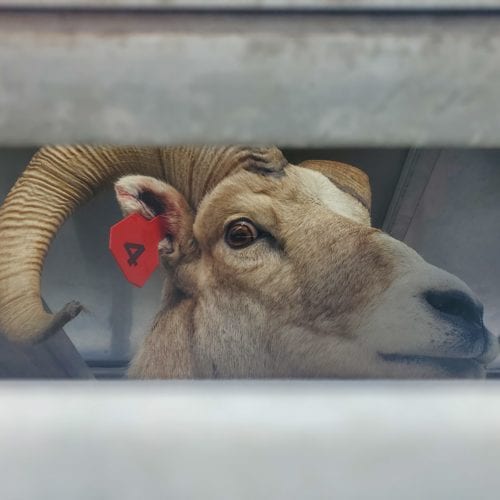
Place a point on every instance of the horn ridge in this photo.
(57, 180)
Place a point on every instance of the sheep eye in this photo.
(241, 233)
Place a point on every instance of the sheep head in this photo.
(283, 276)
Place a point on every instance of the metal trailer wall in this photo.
(304, 73)
(300, 73)
(250, 440)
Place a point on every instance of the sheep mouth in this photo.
(454, 367)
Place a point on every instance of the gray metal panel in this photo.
(259, 4)
(54, 358)
(250, 440)
(408, 192)
(308, 80)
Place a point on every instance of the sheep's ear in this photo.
(150, 197)
(349, 179)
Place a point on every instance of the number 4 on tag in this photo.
(134, 245)
(134, 251)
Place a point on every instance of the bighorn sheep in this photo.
(273, 270)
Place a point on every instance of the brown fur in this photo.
(312, 277)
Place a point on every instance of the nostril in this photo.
(457, 304)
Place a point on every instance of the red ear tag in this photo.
(134, 245)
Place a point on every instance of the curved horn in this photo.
(58, 180)
(349, 179)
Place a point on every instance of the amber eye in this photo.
(241, 233)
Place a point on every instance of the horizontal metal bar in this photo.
(308, 80)
(247, 440)
(329, 5)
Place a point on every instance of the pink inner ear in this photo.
(122, 194)
(131, 203)
(154, 202)
(151, 198)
